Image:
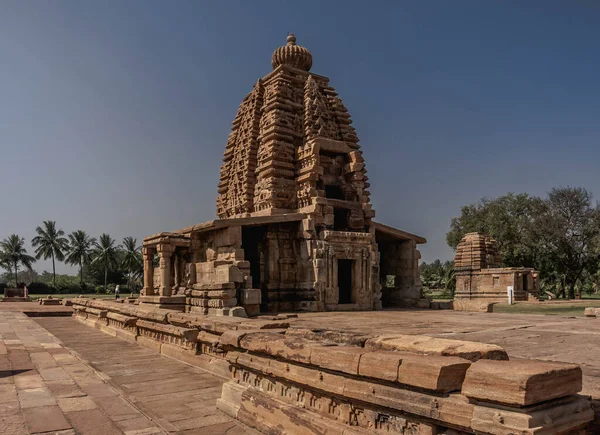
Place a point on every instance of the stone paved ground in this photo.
(73, 379)
(551, 338)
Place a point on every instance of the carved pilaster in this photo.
(165, 252)
(148, 254)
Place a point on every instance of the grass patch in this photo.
(556, 309)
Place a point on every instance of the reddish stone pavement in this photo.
(73, 379)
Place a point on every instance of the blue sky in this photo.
(114, 114)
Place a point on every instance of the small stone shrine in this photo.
(15, 295)
(295, 227)
(480, 275)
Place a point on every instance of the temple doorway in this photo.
(253, 239)
(345, 281)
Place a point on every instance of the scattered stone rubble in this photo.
(287, 380)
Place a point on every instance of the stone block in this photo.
(339, 358)
(250, 296)
(591, 312)
(521, 383)
(422, 344)
(432, 372)
(294, 349)
(252, 310)
(260, 342)
(220, 294)
(380, 365)
(264, 324)
(228, 273)
(232, 338)
(238, 312)
(556, 417)
(473, 305)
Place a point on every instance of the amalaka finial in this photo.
(292, 55)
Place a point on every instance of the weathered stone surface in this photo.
(422, 344)
(474, 305)
(339, 358)
(380, 365)
(432, 372)
(521, 382)
(561, 417)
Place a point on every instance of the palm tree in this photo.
(14, 252)
(5, 263)
(106, 254)
(50, 243)
(80, 250)
(132, 258)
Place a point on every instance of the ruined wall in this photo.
(491, 284)
(290, 380)
(399, 273)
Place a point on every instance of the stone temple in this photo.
(295, 229)
(480, 275)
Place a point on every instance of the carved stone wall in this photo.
(291, 147)
(286, 380)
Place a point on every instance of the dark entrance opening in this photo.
(525, 283)
(253, 244)
(334, 192)
(345, 281)
(340, 219)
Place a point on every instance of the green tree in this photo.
(5, 264)
(131, 259)
(558, 235)
(80, 250)
(510, 219)
(50, 243)
(106, 255)
(14, 253)
(569, 230)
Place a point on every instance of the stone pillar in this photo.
(148, 254)
(164, 253)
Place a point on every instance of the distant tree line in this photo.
(101, 262)
(559, 235)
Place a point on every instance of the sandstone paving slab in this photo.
(43, 388)
(13, 424)
(45, 419)
(93, 422)
(159, 387)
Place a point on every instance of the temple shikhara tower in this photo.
(295, 227)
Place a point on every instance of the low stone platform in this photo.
(287, 377)
(33, 309)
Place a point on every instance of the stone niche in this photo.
(479, 274)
